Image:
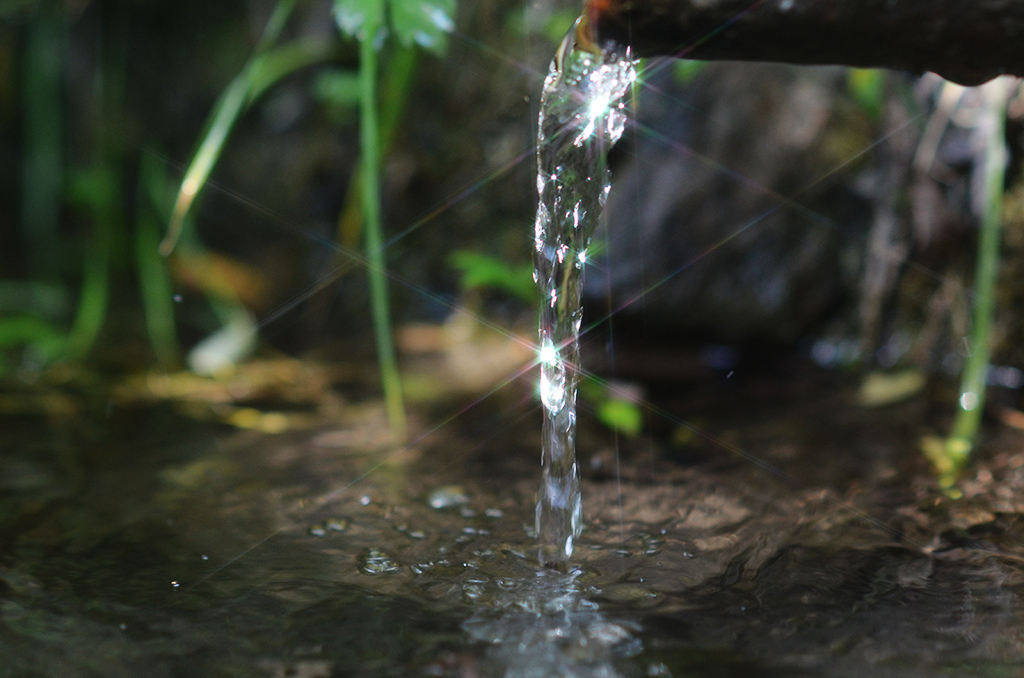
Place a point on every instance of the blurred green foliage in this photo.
(684, 71)
(482, 271)
(867, 87)
(422, 23)
(92, 208)
(613, 408)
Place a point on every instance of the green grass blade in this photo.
(224, 117)
(226, 113)
(276, 64)
(262, 73)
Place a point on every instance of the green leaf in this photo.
(423, 22)
(415, 22)
(359, 18)
(481, 271)
(621, 415)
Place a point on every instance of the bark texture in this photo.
(967, 41)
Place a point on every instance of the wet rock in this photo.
(725, 218)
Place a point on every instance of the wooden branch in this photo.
(968, 41)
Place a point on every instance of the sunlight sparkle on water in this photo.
(548, 354)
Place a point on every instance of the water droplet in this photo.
(607, 633)
(365, 500)
(175, 584)
(969, 400)
(375, 562)
(177, 298)
(616, 124)
(412, 534)
(658, 670)
(440, 18)
(424, 39)
(651, 545)
(448, 496)
(552, 387)
(336, 524)
(472, 592)
(205, 557)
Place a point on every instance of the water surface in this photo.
(800, 537)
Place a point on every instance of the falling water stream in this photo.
(582, 114)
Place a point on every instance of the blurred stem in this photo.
(104, 200)
(154, 278)
(43, 169)
(959, 444)
(394, 96)
(371, 149)
(92, 305)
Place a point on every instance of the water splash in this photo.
(546, 627)
(582, 114)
